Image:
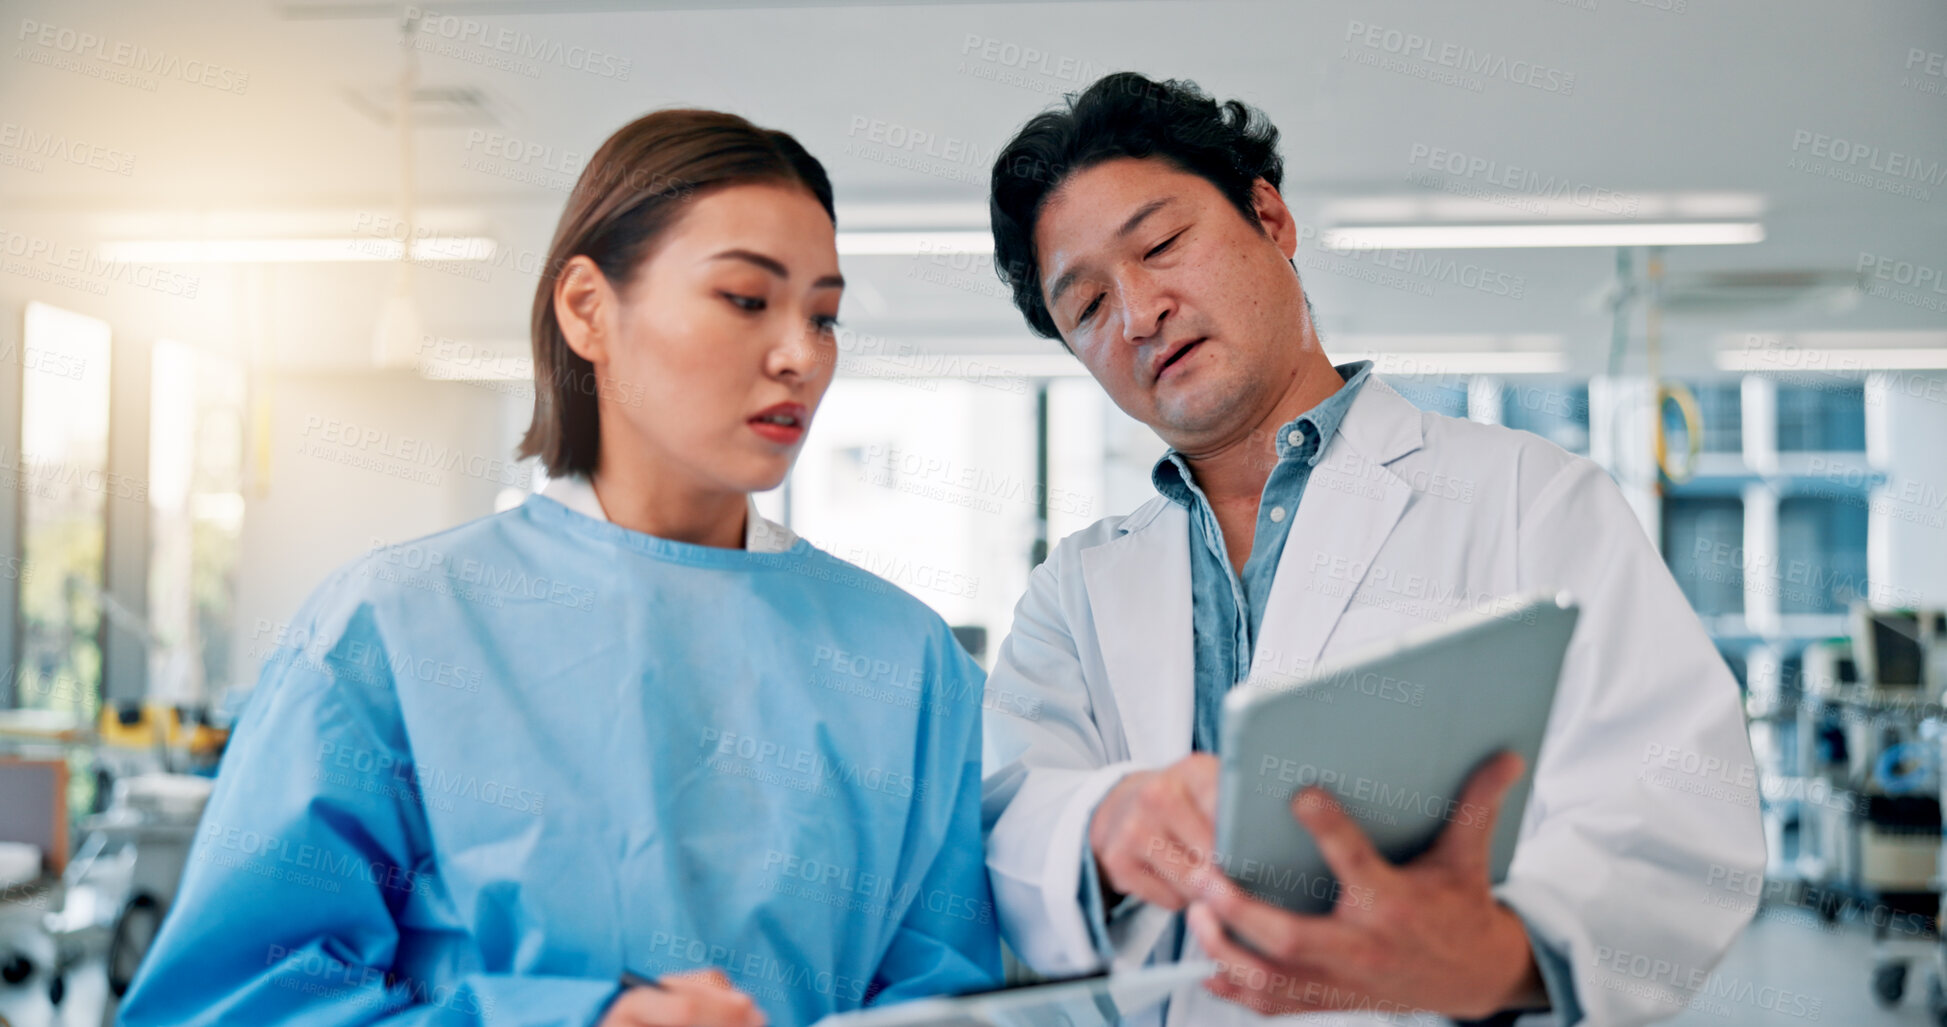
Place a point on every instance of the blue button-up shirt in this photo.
(1228, 608)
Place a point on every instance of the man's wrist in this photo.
(1527, 992)
(1110, 897)
(1532, 993)
(1094, 837)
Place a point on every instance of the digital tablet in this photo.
(1393, 733)
(1073, 1002)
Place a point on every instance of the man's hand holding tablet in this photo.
(1320, 913)
(1425, 935)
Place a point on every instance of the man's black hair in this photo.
(1231, 145)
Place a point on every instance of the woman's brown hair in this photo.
(633, 189)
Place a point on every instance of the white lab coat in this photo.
(1643, 819)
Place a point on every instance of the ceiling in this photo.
(1671, 101)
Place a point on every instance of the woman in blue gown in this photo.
(628, 726)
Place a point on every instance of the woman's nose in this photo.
(804, 353)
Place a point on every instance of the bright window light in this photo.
(293, 251)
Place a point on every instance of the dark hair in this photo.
(633, 189)
(1121, 115)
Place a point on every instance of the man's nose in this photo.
(1146, 309)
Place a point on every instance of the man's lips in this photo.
(1170, 359)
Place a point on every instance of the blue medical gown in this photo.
(485, 772)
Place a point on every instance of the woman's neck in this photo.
(635, 497)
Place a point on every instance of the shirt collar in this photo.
(577, 493)
(1313, 429)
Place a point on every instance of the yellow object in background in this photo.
(200, 739)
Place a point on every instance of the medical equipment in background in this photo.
(176, 726)
(108, 900)
(33, 852)
(1626, 295)
(1667, 393)
(1870, 730)
(29, 963)
(150, 759)
(146, 832)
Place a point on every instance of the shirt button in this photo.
(1296, 438)
(1277, 514)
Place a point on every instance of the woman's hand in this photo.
(700, 999)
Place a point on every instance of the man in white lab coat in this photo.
(1304, 511)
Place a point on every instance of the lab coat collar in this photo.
(1139, 599)
(1381, 426)
(1350, 506)
(1139, 582)
(577, 493)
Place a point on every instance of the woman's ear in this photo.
(584, 307)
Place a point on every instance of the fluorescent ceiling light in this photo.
(293, 251)
(897, 216)
(1409, 365)
(982, 366)
(1484, 237)
(912, 244)
(992, 369)
(1787, 359)
(1586, 205)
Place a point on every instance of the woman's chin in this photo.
(769, 474)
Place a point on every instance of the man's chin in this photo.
(1199, 417)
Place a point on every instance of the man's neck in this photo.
(1234, 472)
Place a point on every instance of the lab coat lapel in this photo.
(1139, 597)
(1350, 506)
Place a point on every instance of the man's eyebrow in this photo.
(1142, 212)
(1061, 285)
(1135, 221)
(771, 265)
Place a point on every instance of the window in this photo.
(1822, 553)
(1821, 420)
(1739, 664)
(63, 484)
(1556, 412)
(1703, 540)
(1721, 405)
(929, 483)
(196, 507)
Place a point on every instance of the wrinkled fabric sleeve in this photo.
(312, 842)
(948, 941)
(1046, 768)
(1641, 678)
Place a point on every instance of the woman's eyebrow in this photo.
(750, 257)
(775, 267)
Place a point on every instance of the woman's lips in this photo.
(783, 424)
(782, 434)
